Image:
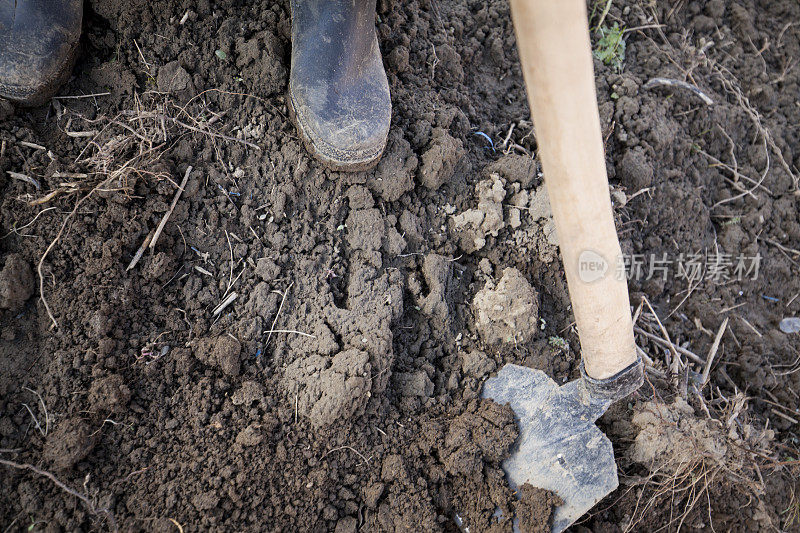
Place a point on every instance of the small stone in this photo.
(790, 325)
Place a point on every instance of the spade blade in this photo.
(559, 447)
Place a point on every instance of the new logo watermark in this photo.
(694, 267)
(591, 266)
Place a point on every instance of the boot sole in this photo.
(333, 158)
(45, 92)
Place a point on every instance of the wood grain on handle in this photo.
(554, 48)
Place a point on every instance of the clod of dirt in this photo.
(250, 391)
(414, 384)
(672, 435)
(71, 441)
(260, 60)
(411, 226)
(393, 468)
(16, 282)
(266, 269)
(475, 437)
(679, 449)
(250, 436)
(438, 272)
(116, 77)
(635, 170)
(331, 388)
(535, 507)
(365, 230)
(157, 266)
(359, 197)
(173, 78)
(205, 501)
(509, 312)
(6, 110)
(539, 206)
(372, 494)
(224, 352)
(109, 394)
(539, 210)
(477, 364)
(395, 173)
(515, 168)
(440, 159)
(347, 524)
(474, 225)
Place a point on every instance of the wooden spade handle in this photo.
(556, 56)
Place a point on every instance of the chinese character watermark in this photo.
(693, 267)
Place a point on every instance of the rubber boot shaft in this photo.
(338, 90)
(38, 41)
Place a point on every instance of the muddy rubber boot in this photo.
(338, 91)
(38, 41)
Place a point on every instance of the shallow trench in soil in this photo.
(304, 349)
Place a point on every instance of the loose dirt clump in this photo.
(692, 459)
(72, 440)
(474, 225)
(109, 394)
(16, 282)
(508, 312)
(535, 509)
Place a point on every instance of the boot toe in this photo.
(37, 48)
(345, 133)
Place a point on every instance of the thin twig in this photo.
(669, 82)
(163, 222)
(346, 448)
(604, 14)
(309, 335)
(44, 408)
(80, 96)
(225, 303)
(713, 352)
(24, 177)
(140, 251)
(230, 249)
(35, 420)
(275, 321)
(663, 329)
(691, 355)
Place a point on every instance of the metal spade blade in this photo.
(559, 447)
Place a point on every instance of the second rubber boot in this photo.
(38, 41)
(338, 91)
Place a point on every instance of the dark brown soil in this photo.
(340, 390)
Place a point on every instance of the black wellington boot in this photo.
(38, 41)
(338, 91)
